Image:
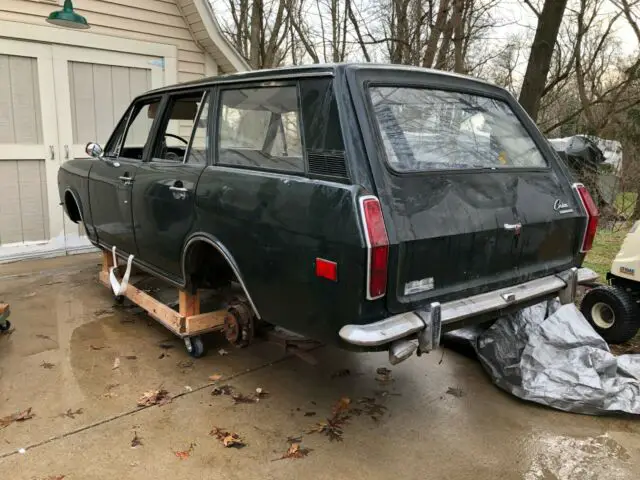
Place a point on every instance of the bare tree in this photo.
(535, 78)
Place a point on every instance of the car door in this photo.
(111, 180)
(165, 184)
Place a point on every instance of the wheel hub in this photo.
(603, 315)
(239, 325)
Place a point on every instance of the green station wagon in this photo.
(369, 206)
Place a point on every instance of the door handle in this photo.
(178, 189)
(126, 179)
(514, 227)
(179, 193)
(52, 152)
(66, 152)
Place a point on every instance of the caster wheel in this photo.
(119, 299)
(6, 327)
(612, 313)
(195, 346)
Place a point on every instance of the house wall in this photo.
(159, 21)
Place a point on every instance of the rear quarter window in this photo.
(260, 127)
(425, 129)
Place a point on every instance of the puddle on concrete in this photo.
(560, 457)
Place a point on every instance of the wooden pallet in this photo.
(186, 322)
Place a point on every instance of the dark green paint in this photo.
(274, 225)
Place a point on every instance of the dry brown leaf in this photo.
(96, 347)
(383, 375)
(16, 417)
(154, 397)
(222, 390)
(183, 455)
(240, 398)
(130, 357)
(309, 414)
(54, 477)
(295, 451)
(116, 363)
(456, 392)
(47, 365)
(341, 405)
(228, 439)
(215, 377)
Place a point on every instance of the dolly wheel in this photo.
(612, 312)
(6, 327)
(195, 346)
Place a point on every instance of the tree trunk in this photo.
(544, 41)
(434, 34)
(254, 41)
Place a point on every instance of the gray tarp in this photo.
(549, 354)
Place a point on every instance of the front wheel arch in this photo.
(72, 207)
(194, 250)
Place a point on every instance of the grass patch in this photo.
(625, 203)
(605, 247)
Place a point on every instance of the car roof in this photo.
(302, 71)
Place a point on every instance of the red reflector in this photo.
(327, 269)
(377, 246)
(592, 216)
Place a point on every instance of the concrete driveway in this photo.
(435, 417)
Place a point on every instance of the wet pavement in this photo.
(432, 417)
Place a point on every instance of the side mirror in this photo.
(93, 150)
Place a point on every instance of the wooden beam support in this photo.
(189, 305)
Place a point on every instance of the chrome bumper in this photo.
(426, 324)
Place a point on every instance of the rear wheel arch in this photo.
(203, 252)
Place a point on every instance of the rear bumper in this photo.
(426, 324)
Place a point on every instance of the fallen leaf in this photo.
(228, 439)
(456, 392)
(166, 345)
(240, 398)
(72, 413)
(130, 357)
(154, 397)
(162, 355)
(383, 375)
(44, 337)
(183, 455)
(332, 427)
(222, 390)
(215, 377)
(116, 363)
(47, 365)
(185, 363)
(222, 352)
(341, 405)
(371, 408)
(309, 414)
(136, 441)
(16, 417)
(345, 372)
(96, 347)
(295, 451)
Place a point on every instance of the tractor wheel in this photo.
(612, 312)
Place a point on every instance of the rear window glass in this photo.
(424, 129)
(260, 127)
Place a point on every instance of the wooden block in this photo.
(3, 307)
(189, 304)
(107, 261)
(205, 322)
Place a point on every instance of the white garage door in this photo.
(53, 100)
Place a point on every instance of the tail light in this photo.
(377, 246)
(592, 216)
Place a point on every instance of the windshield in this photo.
(424, 129)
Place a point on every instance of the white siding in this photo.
(159, 21)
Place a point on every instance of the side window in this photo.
(260, 127)
(200, 138)
(113, 145)
(137, 134)
(175, 133)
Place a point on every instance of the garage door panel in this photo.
(20, 119)
(31, 200)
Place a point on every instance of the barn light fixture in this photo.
(67, 17)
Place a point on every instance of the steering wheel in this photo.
(186, 142)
